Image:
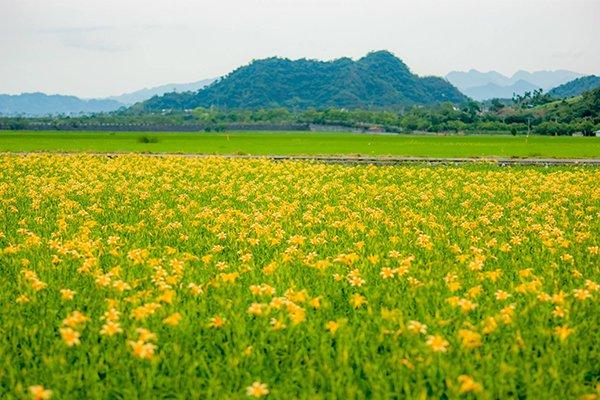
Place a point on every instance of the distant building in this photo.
(597, 133)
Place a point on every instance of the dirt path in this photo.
(500, 161)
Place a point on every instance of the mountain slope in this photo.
(39, 104)
(378, 80)
(576, 87)
(493, 91)
(146, 93)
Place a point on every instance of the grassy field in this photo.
(303, 143)
(180, 278)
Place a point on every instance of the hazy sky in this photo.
(93, 48)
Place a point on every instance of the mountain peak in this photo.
(379, 54)
(378, 80)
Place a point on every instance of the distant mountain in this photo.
(494, 91)
(485, 85)
(474, 78)
(146, 93)
(546, 79)
(576, 87)
(378, 80)
(39, 104)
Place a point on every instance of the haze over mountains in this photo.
(40, 104)
(488, 85)
(146, 93)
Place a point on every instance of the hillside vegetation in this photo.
(378, 80)
(576, 87)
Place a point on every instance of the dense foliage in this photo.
(140, 277)
(535, 114)
(576, 87)
(377, 81)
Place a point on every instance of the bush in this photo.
(147, 139)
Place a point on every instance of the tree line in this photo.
(533, 113)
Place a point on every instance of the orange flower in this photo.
(468, 384)
(111, 328)
(142, 349)
(217, 322)
(70, 336)
(257, 389)
(438, 343)
(38, 392)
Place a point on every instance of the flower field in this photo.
(180, 278)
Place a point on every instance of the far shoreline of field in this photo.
(303, 143)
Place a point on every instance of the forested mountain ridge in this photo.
(377, 81)
(576, 87)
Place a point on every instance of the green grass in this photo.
(302, 143)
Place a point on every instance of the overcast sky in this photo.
(94, 48)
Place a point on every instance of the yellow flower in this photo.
(142, 349)
(195, 289)
(502, 295)
(230, 277)
(111, 315)
(559, 312)
(466, 305)
(563, 332)
(67, 294)
(373, 259)
(38, 285)
(489, 325)
(277, 324)
(581, 294)
(357, 300)
(474, 291)
(70, 336)
(527, 272)
(332, 326)
(22, 299)
(297, 315)
(145, 334)
(247, 351)
(315, 303)
(110, 328)
(468, 384)
(75, 318)
(255, 309)
(387, 272)
(167, 296)
(257, 389)
(216, 322)
(438, 343)
(469, 339)
(173, 319)
(356, 281)
(38, 392)
(416, 327)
